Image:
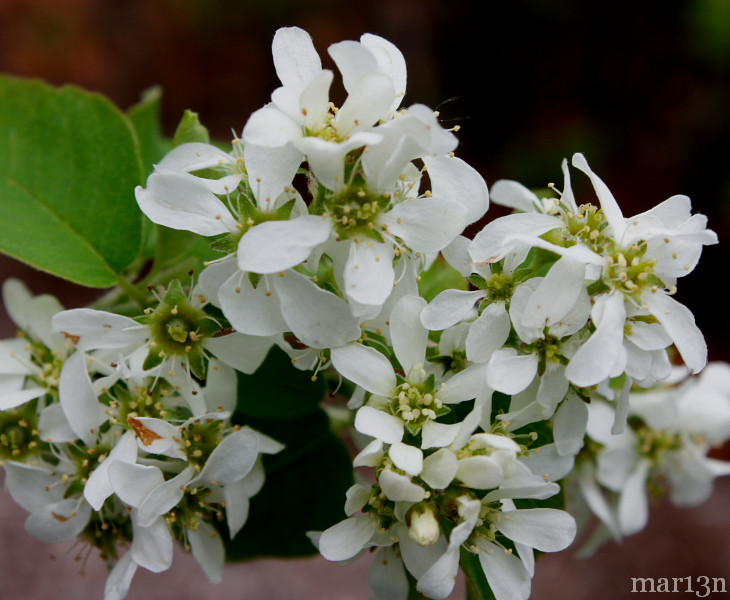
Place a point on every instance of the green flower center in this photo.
(629, 272)
(19, 433)
(200, 439)
(355, 211)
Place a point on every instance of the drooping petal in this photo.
(633, 507)
(60, 521)
(488, 333)
(608, 203)
(569, 426)
(99, 486)
(132, 482)
(120, 578)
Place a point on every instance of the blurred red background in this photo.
(643, 89)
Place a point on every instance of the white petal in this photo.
(449, 307)
(60, 521)
(269, 127)
(465, 385)
(489, 244)
(608, 203)
(557, 293)
(317, 317)
(231, 460)
(369, 99)
(80, 404)
(164, 497)
(514, 195)
(270, 170)
(120, 578)
(194, 157)
(387, 577)
(509, 373)
(596, 358)
(453, 179)
(12, 399)
(406, 458)
(438, 435)
(274, 246)
(96, 329)
(32, 488)
(505, 573)
(379, 424)
(152, 546)
(409, 337)
(488, 333)
(479, 472)
(295, 59)
(369, 272)
(569, 426)
(426, 224)
(345, 539)
(390, 61)
(244, 353)
(439, 468)
(679, 322)
(250, 310)
(183, 201)
(207, 548)
(633, 508)
(544, 529)
(99, 486)
(398, 487)
(366, 367)
(132, 482)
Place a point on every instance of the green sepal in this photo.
(153, 360)
(175, 295)
(198, 363)
(255, 278)
(227, 244)
(283, 213)
(190, 129)
(597, 287)
(478, 281)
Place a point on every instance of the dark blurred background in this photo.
(642, 88)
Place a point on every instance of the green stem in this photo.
(477, 587)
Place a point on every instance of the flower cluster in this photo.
(107, 435)
(468, 409)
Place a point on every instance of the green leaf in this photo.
(69, 163)
(439, 277)
(145, 118)
(304, 489)
(190, 129)
(278, 390)
(477, 587)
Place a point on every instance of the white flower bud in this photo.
(424, 528)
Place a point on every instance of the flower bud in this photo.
(423, 525)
